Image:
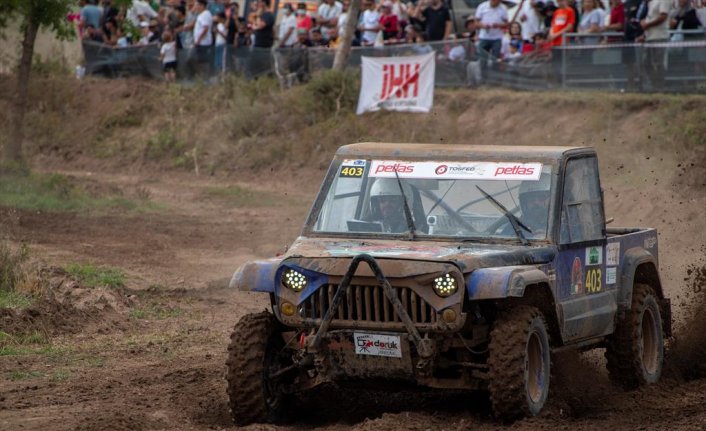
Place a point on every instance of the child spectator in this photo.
(514, 53)
(563, 21)
(145, 33)
(221, 34)
(317, 38)
(168, 54)
(92, 34)
(302, 39)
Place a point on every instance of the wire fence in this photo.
(641, 67)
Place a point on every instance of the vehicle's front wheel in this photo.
(253, 355)
(635, 351)
(519, 362)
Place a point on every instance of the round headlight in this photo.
(294, 280)
(445, 285)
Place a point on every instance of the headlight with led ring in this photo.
(294, 280)
(445, 285)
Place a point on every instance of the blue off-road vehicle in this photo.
(450, 267)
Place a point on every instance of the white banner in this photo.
(456, 170)
(397, 83)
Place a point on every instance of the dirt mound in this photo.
(67, 307)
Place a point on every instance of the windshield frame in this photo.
(312, 218)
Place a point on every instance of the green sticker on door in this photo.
(594, 255)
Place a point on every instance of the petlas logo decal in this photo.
(456, 171)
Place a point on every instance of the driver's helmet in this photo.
(388, 189)
(534, 198)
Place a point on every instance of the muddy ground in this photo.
(151, 356)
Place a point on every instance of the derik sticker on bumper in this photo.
(377, 345)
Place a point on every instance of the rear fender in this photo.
(639, 266)
(503, 282)
(256, 276)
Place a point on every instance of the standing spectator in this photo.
(388, 22)
(201, 57)
(531, 19)
(216, 7)
(514, 35)
(471, 27)
(91, 14)
(684, 17)
(92, 34)
(656, 27)
(492, 20)
(221, 33)
(563, 21)
(287, 28)
(232, 12)
(400, 10)
(343, 18)
(369, 23)
(317, 38)
(110, 32)
(264, 26)
(168, 54)
(437, 20)
(304, 21)
(328, 13)
(140, 11)
(617, 19)
(109, 11)
(145, 33)
(635, 11)
(591, 21)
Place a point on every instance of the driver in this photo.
(387, 204)
(534, 203)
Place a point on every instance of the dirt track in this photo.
(166, 372)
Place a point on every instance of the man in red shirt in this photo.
(617, 19)
(563, 21)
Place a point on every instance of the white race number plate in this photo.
(377, 344)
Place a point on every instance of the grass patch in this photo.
(21, 350)
(60, 375)
(96, 276)
(57, 192)
(23, 375)
(241, 197)
(10, 299)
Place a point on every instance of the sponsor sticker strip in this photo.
(377, 345)
(456, 171)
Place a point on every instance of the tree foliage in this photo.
(49, 14)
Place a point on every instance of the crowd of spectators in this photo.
(206, 27)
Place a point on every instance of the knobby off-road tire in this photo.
(519, 362)
(635, 351)
(252, 354)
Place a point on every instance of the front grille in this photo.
(367, 304)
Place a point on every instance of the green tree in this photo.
(32, 15)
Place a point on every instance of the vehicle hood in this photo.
(466, 256)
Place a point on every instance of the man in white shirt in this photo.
(530, 20)
(287, 28)
(201, 58)
(369, 23)
(140, 11)
(491, 18)
(328, 13)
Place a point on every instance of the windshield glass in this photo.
(445, 199)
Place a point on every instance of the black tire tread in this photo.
(622, 354)
(245, 367)
(507, 362)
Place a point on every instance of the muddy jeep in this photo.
(450, 267)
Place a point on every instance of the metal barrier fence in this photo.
(663, 67)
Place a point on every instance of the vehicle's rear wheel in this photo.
(519, 361)
(253, 355)
(635, 351)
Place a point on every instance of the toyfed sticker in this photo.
(611, 275)
(352, 169)
(377, 345)
(576, 276)
(594, 256)
(456, 170)
(612, 254)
